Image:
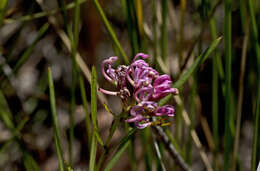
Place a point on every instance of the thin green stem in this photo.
(255, 155)
(228, 55)
(55, 121)
(164, 31)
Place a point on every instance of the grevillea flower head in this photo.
(148, 87)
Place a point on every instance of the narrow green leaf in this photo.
(255, 36)
(15, 133)
(55, 122)
(94, 98)
(111, 31)
(227, 43)
(164, 29)
(5, 113)
(186, 75)
(126, 138)
(85, 106)
(74, 45)
(40, 14)
(29, 50)
(117, 156)
(29, 162)
(93, 151)
(128, 7)
(3, 6)
(155, 41)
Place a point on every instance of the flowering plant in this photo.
(143, 86)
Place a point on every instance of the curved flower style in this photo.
(148, 87)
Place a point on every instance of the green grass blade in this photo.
(3, 6)
(227, 43)
(255, 148)
(5, 113)
(215, 80)
(127, 7)
(29, 162)
(94, 98)
(29, 50)
(15, 133)
(55, 122)
(111, 32)
(164, 30)
(40, 14)
(112, 130)
(74, 44)
(93, 151)
(85, 106)
(186, 75)
(255, 155)
(155, 41)
(65, 19)
(117, 156)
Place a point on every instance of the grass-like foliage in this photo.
(190, 99)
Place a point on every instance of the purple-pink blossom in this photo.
(144, 85)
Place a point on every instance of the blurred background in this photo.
(37, 34)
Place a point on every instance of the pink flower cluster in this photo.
(142, 83)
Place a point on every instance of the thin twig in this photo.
(158, 153)
(174, 153)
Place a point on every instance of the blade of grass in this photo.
(127, 7)
(29, 162)
(3, 6)
(139, 16)
(29, 50)
(117, 156)
(131, 152)
(94, 98)
(15, 133)
(74, 44)
(93, 151)
(227, 43)
(255, 150)
(164, 31)
(111, 32)
(155, 35)
(85, 106)
(55, 122)
(40, 14)
(186, 75)
(5, 113)
(181, 29)
(65, 19)
(215, 80)
(148, 156)
(112, 130)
